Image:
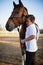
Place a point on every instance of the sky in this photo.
(34, 7)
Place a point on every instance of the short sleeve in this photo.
(32, 31)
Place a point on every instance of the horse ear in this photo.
(20, 3)
(25, 12)
(14, 3)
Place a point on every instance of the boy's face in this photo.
(27, 21)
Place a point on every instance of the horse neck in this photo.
(21, 20)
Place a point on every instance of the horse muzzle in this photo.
(9, 27)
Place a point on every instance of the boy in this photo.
(30, 40)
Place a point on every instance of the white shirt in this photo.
(31, 46)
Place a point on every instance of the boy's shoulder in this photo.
(31, 26)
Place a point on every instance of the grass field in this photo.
(10, 52)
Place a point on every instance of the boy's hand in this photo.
(22, 41)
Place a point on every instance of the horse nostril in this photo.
(7, 26)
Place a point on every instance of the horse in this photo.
(17, 18)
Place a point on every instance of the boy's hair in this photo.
(31, 17)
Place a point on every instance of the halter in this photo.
(22, 16)
(17, 17)
(12, 18)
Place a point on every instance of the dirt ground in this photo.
(10, 52)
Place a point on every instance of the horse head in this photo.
(17, 17)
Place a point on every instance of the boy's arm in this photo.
(28, 39)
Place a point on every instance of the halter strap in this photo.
(17, 17)
(12, 18)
